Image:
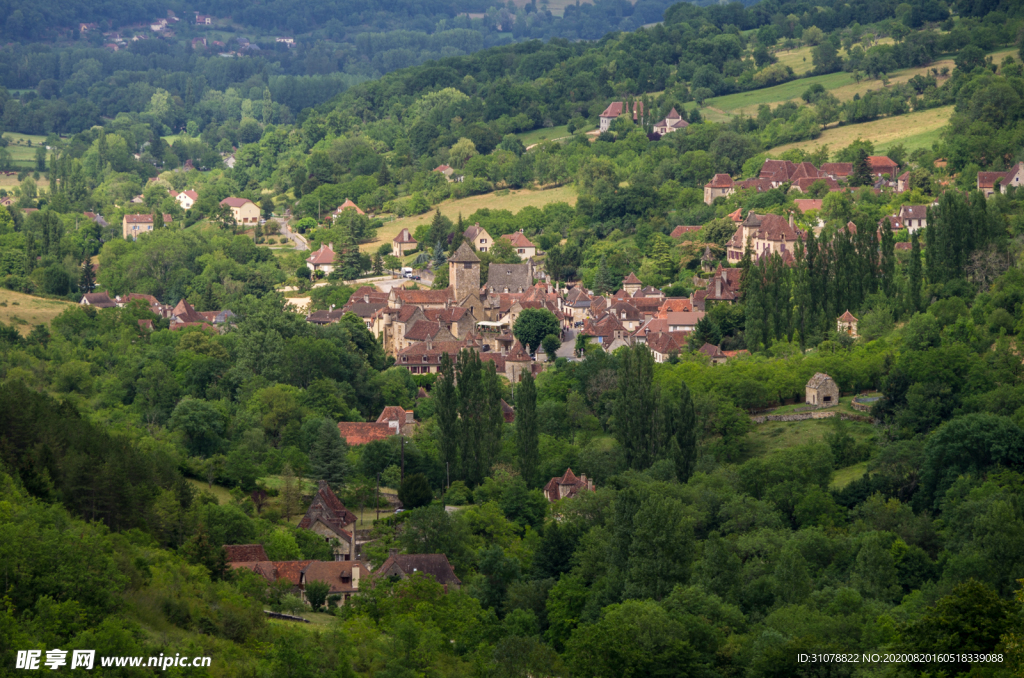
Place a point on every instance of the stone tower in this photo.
(464, 272)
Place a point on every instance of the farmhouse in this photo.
(617, 108)
(720, 186)
(403, 243)
(988, 181)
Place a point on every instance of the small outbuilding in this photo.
(822, 391)
(847, 324)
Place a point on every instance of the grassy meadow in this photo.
(919, 129)
(512, 200)
(25, 311)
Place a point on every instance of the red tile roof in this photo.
(847, 317)
(360, 433)
(405, 237)
(720, 181)
(243, 553)
(347, 205)
(235, 202)
(680, 231)
(324, 255)
(807, 204)
(518, 239)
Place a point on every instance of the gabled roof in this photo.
(837, 169)
(360, 433)
(98, 299)
(737, 216)
(184, 312)
(338, 574)
(518, 354)
(235, 202)
(434, 564)
(848, 317)
(422, 296)
(617, 108)
(141, 218)
(664, 342)
(914, 212)
(324, 255)
(720, 181)
(405, 237)
(674, 305)
(244, 553)
(711, 351)
(881, 163)
(807, 204)
(392, 413)
(680, 231)
(464, 255)
(348, 205)
(518, 239)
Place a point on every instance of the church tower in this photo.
(464, 273)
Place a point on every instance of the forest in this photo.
(713, 544)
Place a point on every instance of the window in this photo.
(828, 399)
(467, 265)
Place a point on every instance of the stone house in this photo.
(342, 577)
(713, 353)
(987, 181)
(913, 217)
(673, 122)
(329, 518)
(720, 186)
(509, 278)
(569, 485)
(403, 243)
(822, 391)
(631, 284)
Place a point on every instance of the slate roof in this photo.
(914, 212)
(818, 380)
(99, 300)
(464, 255)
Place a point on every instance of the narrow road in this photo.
(286, 231)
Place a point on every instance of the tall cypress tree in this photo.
(914, 276)
(888, 264)
(446, 408)
(754, 309)
(637, 408)
(861, 175)
(526, 428)
(683, 448)
(327, 454)
(603, 282)
(87, 281)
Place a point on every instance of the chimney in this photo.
(355, 575)
(330, 246)
(791, 219)
(366, 298)
(718, 286)
(392, 553)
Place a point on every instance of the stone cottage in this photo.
(822, 391)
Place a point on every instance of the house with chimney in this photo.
(990, 182)
(569, 485)
(478, 238)
(720, 186)
(767, 234)
(913, 217)
(329, 518)
(322, 261)
(524, 248)
(403, 243)
(617, 108)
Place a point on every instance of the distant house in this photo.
(713, 353)
(683, 231)
(449, 174)
(342, 577)
(524, 248)
(347, 205)
(133, 225)
(631, 284)
(720, 186)
(847, 323)
(329, 518)
(322, 260)
(913, 217)
(245, 553)
(403, 243)
(987, 181)
(617, 108)
(403, 566)
(185, 198)
(86, 27)
(881, 164)
(480, 239)
(822, 391)
(393, 421)
(203, 20)
(244, 210)
(903, 183)
(98, 300)
(229, 159)
(569, 485)
(286, 41)
(673, 122)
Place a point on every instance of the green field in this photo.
(776, 95)
(512, 201)
(550, 134)
(919, 129)
(24, 311)
(779, 435)
(845, 476)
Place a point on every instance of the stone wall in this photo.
(804, 416)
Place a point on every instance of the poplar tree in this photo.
(87, 281)
(888, 265)
(914, 276)
(446, 407)
(526, 428)
(683, 446)
(603, 282)
(637, 408)
(861, 175)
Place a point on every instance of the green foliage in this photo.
(415, 491)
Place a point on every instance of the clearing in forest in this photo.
(24, 311)
(512, 200)
(919, 129)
